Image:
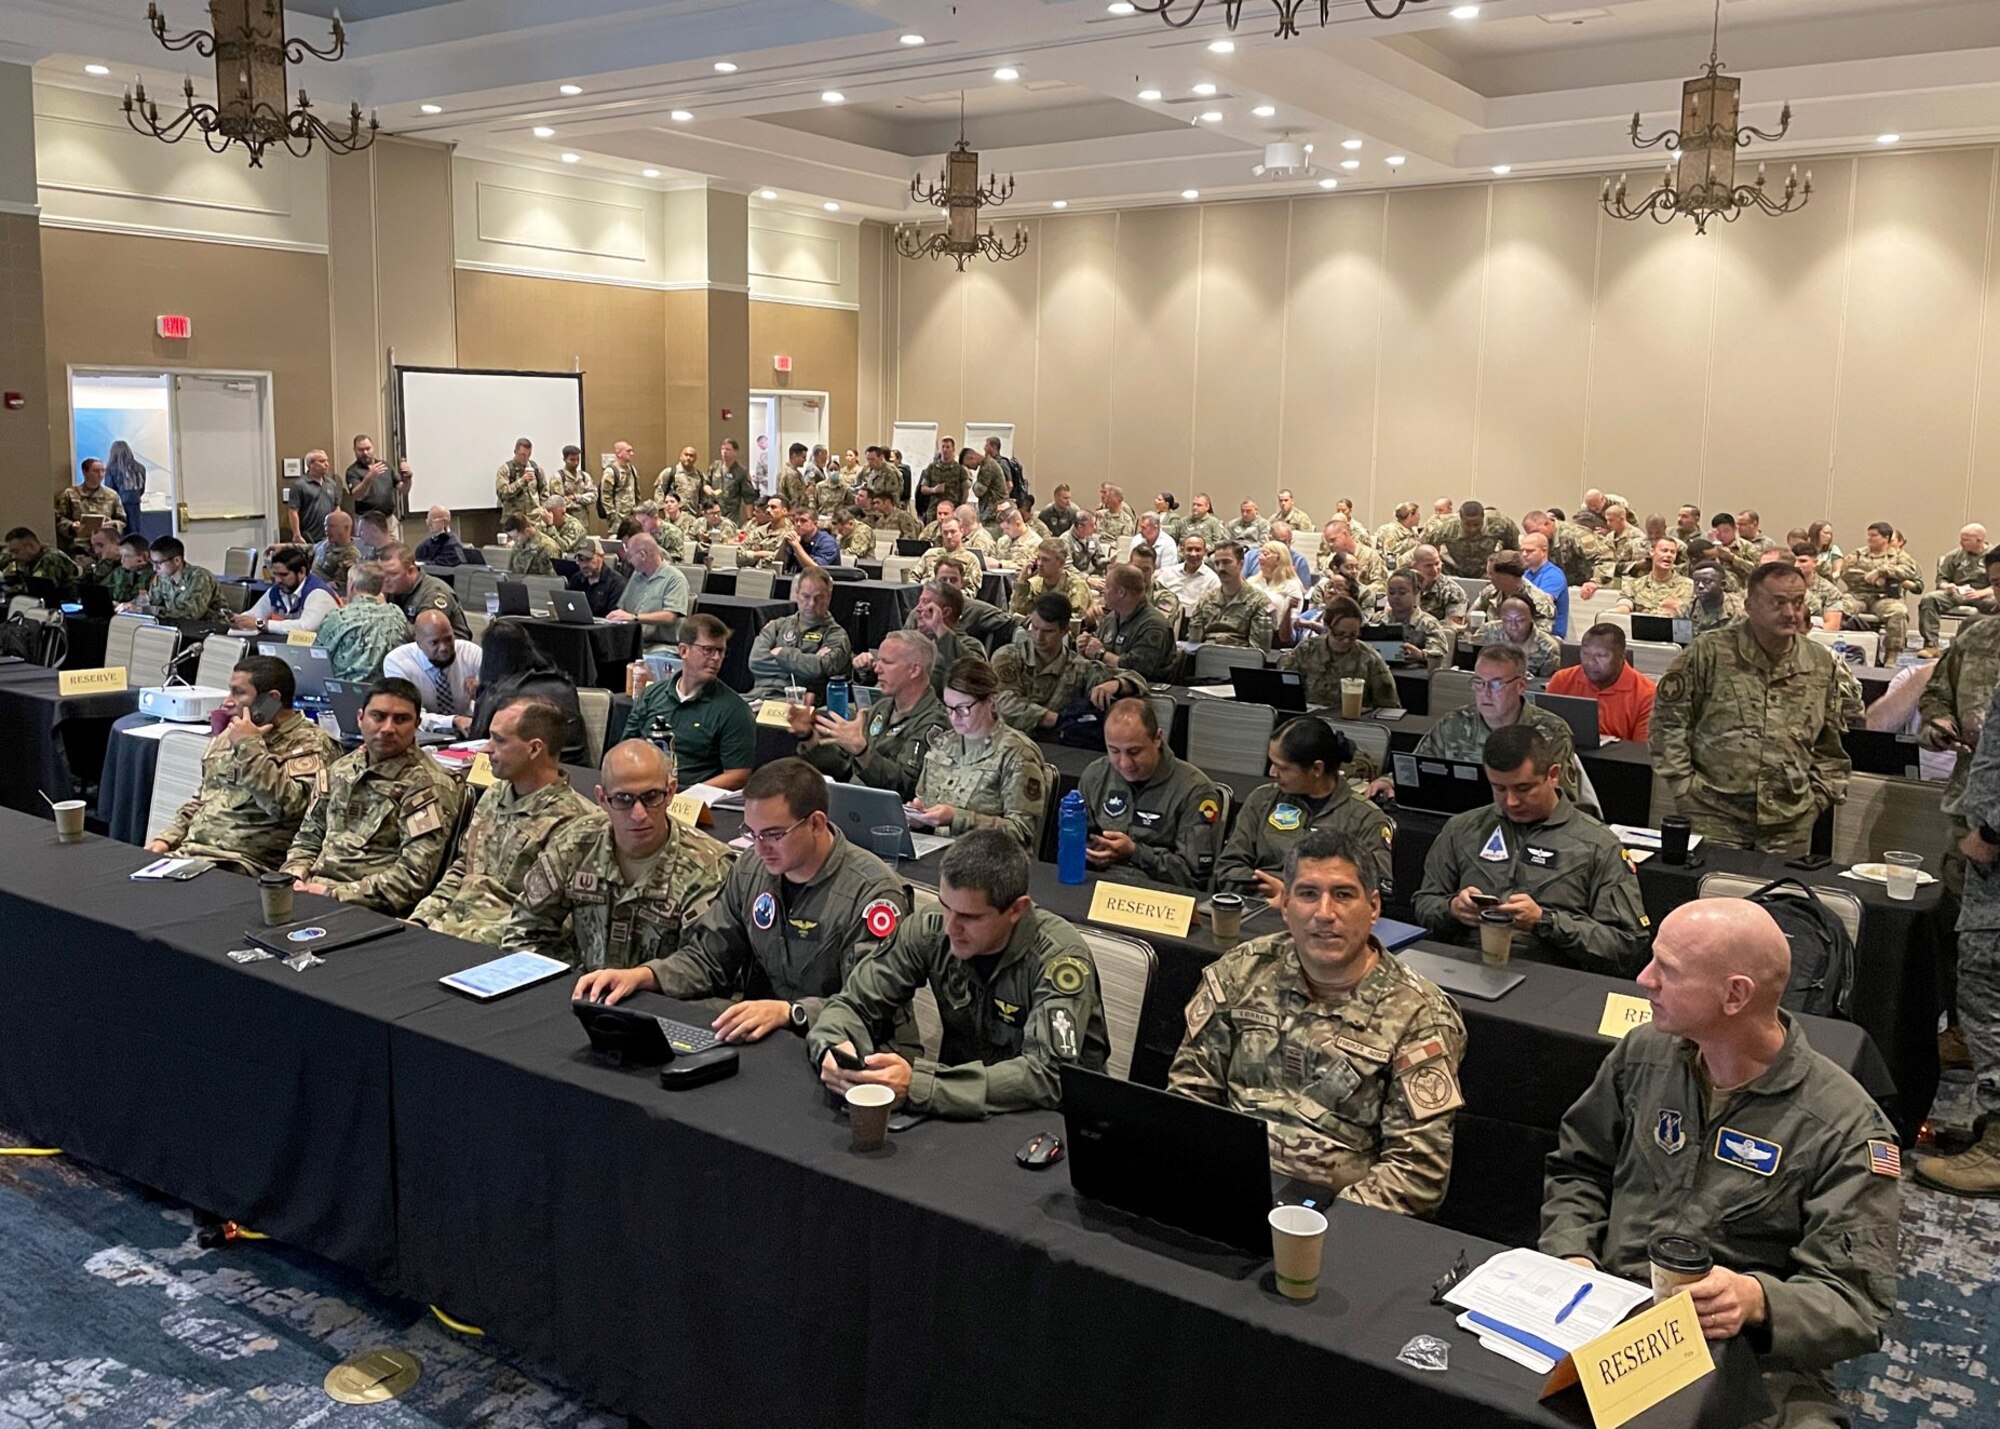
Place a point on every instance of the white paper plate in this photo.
(1879, 873)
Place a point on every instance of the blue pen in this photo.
(1574, 1301)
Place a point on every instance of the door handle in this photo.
(219, 515)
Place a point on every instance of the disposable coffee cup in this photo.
(1675, 831)
(69, 821)
(1677, 1261)
(274, 890)
(1298, 1240)
(1496, 937)
(868, 1115)
(1351, 691)
(1902, 868)
(1225, 912)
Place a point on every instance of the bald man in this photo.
(1720, 1123)
(1961, 580)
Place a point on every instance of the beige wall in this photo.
(823, 344)
(1506, 341)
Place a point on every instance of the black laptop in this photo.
(1579, 712)
(911, 545)
(1439, 786)
(309, 669)
(1199, 1168)
(341, 928)
(1283, 690)
(1884, 752)
(1663, 629)
(1386, 641)
(513, 597)
(94, 601)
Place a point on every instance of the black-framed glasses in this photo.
(623, 801)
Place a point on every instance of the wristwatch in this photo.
(1989, 835)
(799, 1018)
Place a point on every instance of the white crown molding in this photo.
(181, 235)
(834, 303)
(652, 285)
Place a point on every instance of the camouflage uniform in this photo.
(567, 538)
(672, 538)
(997, 782)
(859, 542)
(57, 569)
(357, 636)
(1357, 1090)
(897, 744)
(332, 563)
(1164, 601)
(1823, 595)
(792, 487)
(898, 523)
(1976, 804)
(1866, 599)
(534, 554)
(990, 488)
(1544, 651)
(1461, 736)
(1016, 550)
(1424, 631)
(1443, 599)
(521, 489)
(1092, 558)
(73, 503)
(1574, 867)
(1173, 819)
(1581, 555)
(1959, 689)
(618, 492)
(968, 559)
(1673, 596)
(1643, 1153)
(1631, 552)
(376, 833)
(505, 835)
(577, 904)
(684, 482)
(253, 795)
(1464, 554)
(1958, 567)
(190, 595)
(1244, 619)
(1271, 821)
(1116, 526)
(1703, 618)
(948, 475)
(790, 651)
(1296, 518)
(739, 491)
(1750, 747)
(1543, 604)
(1005, 1030)
(576, 487)
(1029, 688)
(1033, 588)
(126, 585)
(1248, 533)
(764, 544)
(1314, 658)
(1394, 541)
(720, 531)
(1737, 560)
(1363, 565)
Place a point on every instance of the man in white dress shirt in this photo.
(297, 600)
(1191, 577)
(444, 668)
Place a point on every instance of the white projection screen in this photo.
(458, 425)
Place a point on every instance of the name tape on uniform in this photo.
(91, 682)
(481, 772)
(1143, 910)
(301, 637)
(689, 812)
(1631, 1367)
(774, 714)
(1622, 1014)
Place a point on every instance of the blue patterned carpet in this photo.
(112, 1317)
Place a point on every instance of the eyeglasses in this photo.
(715, 652)
(623, 802)
(771, 838)
(965, 709)
(1497, 687)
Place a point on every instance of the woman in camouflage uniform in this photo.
(979, 774)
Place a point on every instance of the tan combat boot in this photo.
(1975, 1171)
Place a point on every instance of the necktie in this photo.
(441, 677)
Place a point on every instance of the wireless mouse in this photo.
(1041, 1151)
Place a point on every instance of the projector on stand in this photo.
(183, 704)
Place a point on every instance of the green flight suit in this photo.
(1271, 821)
(1173, 820)
(897, 745)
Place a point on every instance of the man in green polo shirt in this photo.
(714, 735)
(656, 595)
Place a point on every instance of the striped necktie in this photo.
(441, 677)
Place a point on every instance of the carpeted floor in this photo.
(112, 1317)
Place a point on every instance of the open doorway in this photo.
(191, 453)
(777, 419)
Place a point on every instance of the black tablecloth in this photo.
(889, 605)
(125, 792)
(56, 742)
(744, 617)
(594, 656)
(84, 639)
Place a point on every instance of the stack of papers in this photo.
(1632, 836)
(1535, 1309)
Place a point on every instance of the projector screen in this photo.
(459, 425)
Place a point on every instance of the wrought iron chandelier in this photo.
(959, 193)
(250, 51)
(1700, 180)
(1288, 12)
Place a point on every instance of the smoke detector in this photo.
(1283, 161)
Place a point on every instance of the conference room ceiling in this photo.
(1539, 86)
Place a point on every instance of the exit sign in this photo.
(173, 325)
(781, 363)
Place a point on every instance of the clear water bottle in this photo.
(1072, 833)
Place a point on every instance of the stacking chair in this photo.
(1124, 975)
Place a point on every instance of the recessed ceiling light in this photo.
(724, 67)
(1060, 203)
(569, 89)
(1350, 144)
(1006, 74)
(833, 96)
(1888, 138)
(97, 69)
(830, 206)
(1329, 183)
(1350, 164)
(1465, 12)
(767, 194)
(910, 39)
(1150, 96)
(649, 173)
(680, 116)
(1204, 89)
(1265, 111)
(572, 158)
(542, 131)
(1395, 161)
(1119, 7)
(1211, 116)
(1190, 193)
(430, 109)
(1503, 169)
(1222, 47)
(1309, 148)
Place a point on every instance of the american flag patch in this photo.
(1885, 1158)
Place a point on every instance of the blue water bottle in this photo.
(836, 697)
(1072, 833)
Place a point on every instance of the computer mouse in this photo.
(1041, 1151)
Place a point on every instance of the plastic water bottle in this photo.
(1072, 833)
(836, 697)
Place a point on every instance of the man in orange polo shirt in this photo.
(1624, 696)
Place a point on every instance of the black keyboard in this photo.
(685, 1038)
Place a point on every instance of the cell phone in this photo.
(846, 1061)
(1808, 863)
(1485, 900)
(264, 709)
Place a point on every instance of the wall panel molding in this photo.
(498, 207)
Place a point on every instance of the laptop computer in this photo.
(95, 601)
(1663, 629)
(347, 698)
(343, 927)
(1439, 786)
(1283, 690)
(1881, 751)
(513, 595)
(309, 669)
(471, 556)
(1386, 641)
(911, 545)
(572, 607)
(1579, 712)
(1466, 975)
(857, 811)
(1199, 1168)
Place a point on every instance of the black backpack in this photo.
(1822, 981)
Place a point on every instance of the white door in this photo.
(765, 453)
(225, 456)
(801, 419)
